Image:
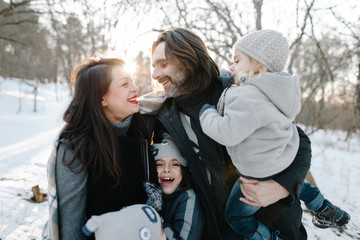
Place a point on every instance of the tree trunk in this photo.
(35, 97)
(20, 95)
(257, 5)
(56, 79)
(357, 96)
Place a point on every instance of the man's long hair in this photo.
(91, 135)
(189, 53)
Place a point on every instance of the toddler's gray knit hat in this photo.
(268, 47)
(167, 148)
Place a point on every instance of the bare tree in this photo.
(23, 45)
(14, 14)
(142, 75)
(322, 92)
(80, 29)
(354, 29)
(316, 54)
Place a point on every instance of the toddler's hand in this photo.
(205, 107)
(227, 77)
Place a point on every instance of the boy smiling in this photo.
(181, 210)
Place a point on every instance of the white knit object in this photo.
(154, 195)
(268, 47)
(137, 221)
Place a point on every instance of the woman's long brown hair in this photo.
(91, 135)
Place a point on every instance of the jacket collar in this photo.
(191, 103)
(122, 128)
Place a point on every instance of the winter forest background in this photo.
(42, 40)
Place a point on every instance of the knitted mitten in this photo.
(154, 195)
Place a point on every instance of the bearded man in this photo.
(191, 78)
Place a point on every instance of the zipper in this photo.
(146, 159)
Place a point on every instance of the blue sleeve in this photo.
(71, 192)
(226, 78)
(188, 222)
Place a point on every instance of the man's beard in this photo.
(177, 79)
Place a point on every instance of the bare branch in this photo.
(321, 51)
(22, 12)
(218, 53)
(12, 6)
(13, 40)
(346, 24)
(182, 13)
(302, 29)
(225, 15)
(34, 85)
(302, 33)
(18, 22)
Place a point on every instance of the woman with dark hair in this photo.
(102, 160)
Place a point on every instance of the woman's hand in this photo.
(261, 193)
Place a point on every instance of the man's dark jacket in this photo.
(213, 157)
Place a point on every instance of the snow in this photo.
(27, 137)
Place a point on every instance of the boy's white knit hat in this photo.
(167, 148)
(268, 47)
(137, 221)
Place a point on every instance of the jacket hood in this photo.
(282, 89)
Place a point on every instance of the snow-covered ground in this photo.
(26, 139)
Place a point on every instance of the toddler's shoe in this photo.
(264, 233)
(330, 215)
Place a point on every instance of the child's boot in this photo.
(264, 233)
(330, 215)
